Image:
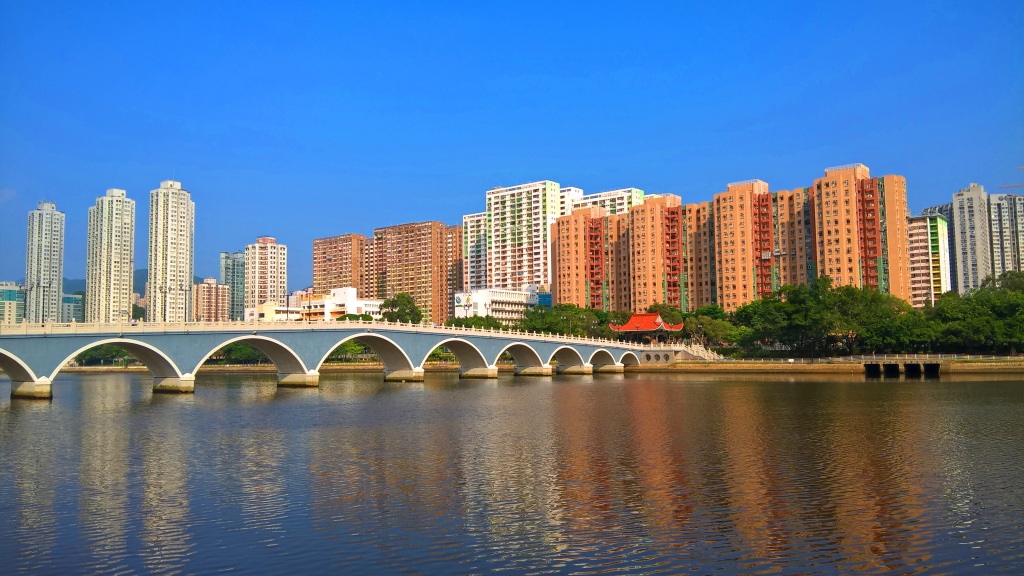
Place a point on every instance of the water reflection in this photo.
(640, 473)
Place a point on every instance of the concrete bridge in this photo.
(32, 355)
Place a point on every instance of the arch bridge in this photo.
(33, 355)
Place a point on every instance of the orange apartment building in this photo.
(421, 259)
(700, 283)
(656, 252)
(861, 228)
(590, 263)
(743, 243)
(338, 262)
(792, 232)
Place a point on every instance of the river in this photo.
(642, 473)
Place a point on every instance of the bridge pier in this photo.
(488, 372)
(310, 379)
(533, 371)
(575, 369)
(186, 384)
(617, 368)
(35, 390)
(414, 375)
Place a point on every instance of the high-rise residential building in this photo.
(567, 196)
(580, 261)
(72, 308)
(44, 264)
(861, 228)
(338, 263)
(420, 259)
(110, 259)
(946, 211)
(266, 272)
(519, 220)
(474, 248)
(656, 248)
(232, 275)
(743, 243)
(699, 280)
(928, 248)
(793, 231)
(614, 201)
(371, 280)
(972, 247)
(1006, 220)
(171, 253)
(211, 301)
(12, 303)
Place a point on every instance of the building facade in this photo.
(44, 263)
(743, 243)
(613, 201)
(474, 249)
(72, 308)
(519, 220)
(211, 301)
(338, 303)
(338, 261)
(110, 258)
(422, 259)
(506, 306)
(1006, 229)
(928, 247)
(232, 275)
(266, 272)
(12, 303)
(946, 211)
(972, 246)
(171, 253)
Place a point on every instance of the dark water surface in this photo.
(574, 475)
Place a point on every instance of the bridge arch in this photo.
(602, 357)
(159, 364)
(391, 354)
(15, 368)
(523, 354)
(629, 359)
(470, 357)
(567, 356)
(284, 358)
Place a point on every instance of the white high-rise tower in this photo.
(44, 264)
(110, 258)
(171, 253)
(266, 272)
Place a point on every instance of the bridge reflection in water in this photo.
(32, 355)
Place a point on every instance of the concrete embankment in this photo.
(952, 367)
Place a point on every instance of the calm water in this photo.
(636, 474)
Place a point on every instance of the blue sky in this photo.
(328, 118)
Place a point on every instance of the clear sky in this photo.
(328, 118)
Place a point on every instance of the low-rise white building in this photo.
(339, 303)
(273, 312)
(507, 306)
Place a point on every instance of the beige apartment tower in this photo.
(171, 253)
(266, 272)
(44, 264)
(110, 259)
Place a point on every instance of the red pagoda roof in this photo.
(646, 323)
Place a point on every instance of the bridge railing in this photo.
(127, 328)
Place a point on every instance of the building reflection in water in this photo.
(163, 445)
(105, 444)
(35, 470)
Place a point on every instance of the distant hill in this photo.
(139, 278)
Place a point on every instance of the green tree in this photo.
(138, 312)
(478, 322)
(669, 314)
(401, 308)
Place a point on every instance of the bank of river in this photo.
(949, 367)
